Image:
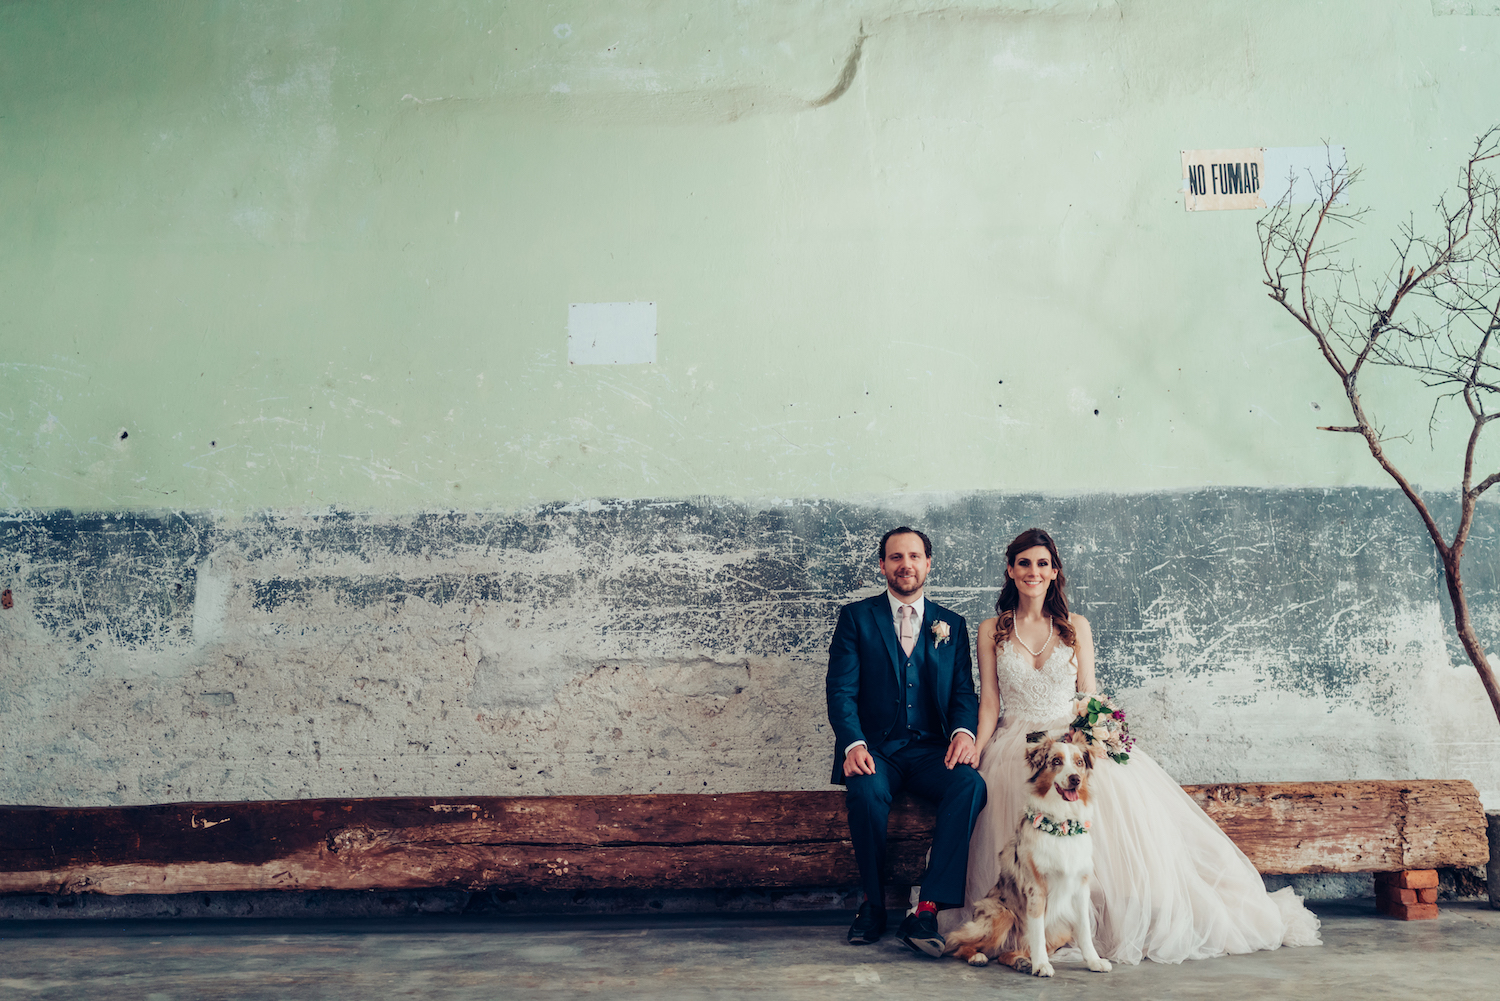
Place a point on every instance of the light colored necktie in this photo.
(908, 629)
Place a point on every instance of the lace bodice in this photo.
(1027, 693)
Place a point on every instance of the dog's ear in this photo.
(1095, 751)
(1036, 756)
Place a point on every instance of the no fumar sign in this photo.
(1254, 177)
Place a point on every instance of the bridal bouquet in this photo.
(1101, 721)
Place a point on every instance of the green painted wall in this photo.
(318, 254)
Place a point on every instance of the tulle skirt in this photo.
(1168, 884)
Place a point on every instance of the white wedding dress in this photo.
(1168, 884)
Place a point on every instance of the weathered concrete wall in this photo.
(679, 646)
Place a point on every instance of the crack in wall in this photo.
(846, 76)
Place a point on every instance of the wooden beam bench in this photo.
(739, 840)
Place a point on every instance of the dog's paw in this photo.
(1100, 965)
(1042, 969)
(979, 959)
(1022, 965)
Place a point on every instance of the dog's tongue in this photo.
(1071, 795)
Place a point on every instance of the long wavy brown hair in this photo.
(1054, 604)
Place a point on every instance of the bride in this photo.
(1168, 884)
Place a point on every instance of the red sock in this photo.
(926, 907)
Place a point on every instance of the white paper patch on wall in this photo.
(1255, 177)
(611, 333)
(1306, 170)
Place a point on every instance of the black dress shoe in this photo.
(869, 925)
(920, 931)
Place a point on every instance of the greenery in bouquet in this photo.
(1102, 722)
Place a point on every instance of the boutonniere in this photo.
(939, 632)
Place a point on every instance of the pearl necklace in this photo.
(1016, 633)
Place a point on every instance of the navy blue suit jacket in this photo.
(865, 698)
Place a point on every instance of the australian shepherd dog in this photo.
(1041, 900)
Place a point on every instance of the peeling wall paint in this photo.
(679, 646)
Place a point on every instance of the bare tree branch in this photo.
(1435, 314)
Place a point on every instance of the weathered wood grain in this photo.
(760, 839)
(470, 867)
(755, 839)
(42, 837)
(1370, 826)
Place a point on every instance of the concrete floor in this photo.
(782, 956)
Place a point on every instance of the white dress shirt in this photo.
(919, 606)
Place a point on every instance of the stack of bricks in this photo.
(1409, 895)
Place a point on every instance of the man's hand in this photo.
(961, 751)
(859, 761)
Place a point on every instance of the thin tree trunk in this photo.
(1451, 555)
(1465, 628)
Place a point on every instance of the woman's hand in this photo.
(961, 751)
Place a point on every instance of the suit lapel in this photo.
(924, 632)
(928, 644)
(880, 607)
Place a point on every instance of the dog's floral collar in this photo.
(1047, 825)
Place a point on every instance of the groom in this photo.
(902, 704)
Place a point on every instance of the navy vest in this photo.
(918, 718)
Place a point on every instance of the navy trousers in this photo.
(959, 794)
